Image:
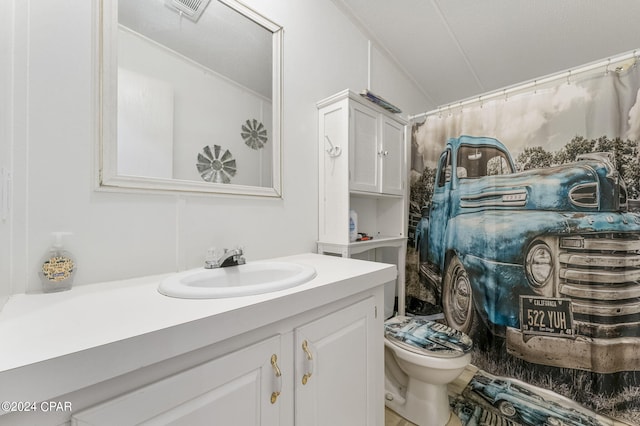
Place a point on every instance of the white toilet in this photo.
(421, 358)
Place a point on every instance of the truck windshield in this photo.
(479, 161)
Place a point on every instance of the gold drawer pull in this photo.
(278, 379)
(309, 362)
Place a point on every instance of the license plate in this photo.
(546, 315)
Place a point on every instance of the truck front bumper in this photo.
(582, 353)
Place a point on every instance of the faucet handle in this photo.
(239, 256)
(213, 256)
(214, 253)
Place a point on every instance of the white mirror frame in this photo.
(106, 157)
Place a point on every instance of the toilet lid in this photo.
(427, 337)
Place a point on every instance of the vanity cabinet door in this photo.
(235, 389)
(339, 368)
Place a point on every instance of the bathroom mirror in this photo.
(190, 97)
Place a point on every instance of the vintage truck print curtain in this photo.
(525, 234)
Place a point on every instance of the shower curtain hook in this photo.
(535, 87)
(480, 101)
(606, 69)
(568, 77)
(506, 96)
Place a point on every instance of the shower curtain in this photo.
(551, 134)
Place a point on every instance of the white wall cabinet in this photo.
(393, 160)
(341, 358)
(376, 151)
(363, 167)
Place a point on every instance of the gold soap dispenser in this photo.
(58, 266)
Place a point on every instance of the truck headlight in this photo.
(539, 264)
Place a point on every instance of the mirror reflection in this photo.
(197, 102)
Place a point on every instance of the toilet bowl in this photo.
(421, 358)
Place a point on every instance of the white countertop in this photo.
(81, 330)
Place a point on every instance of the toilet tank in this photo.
(390, 294)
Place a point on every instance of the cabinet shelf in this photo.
(362, 246)
(375, 195)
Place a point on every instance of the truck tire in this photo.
(506, 408)
(457, 300)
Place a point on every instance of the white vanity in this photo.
(122, 353)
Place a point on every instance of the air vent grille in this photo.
(192, 9)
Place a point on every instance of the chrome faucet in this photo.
(223, 258)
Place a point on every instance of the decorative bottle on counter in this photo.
(58, 267)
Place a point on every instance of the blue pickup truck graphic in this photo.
(547, 258)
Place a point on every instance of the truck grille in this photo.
(600, 273)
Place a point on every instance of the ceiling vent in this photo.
(192, 9)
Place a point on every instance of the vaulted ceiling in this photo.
(456, 49)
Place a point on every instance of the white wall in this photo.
(6, 37)
(119, 235)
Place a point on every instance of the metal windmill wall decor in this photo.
(216, 166)
(254, 134)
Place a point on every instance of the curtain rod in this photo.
(568, 74)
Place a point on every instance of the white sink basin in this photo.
(232, 281)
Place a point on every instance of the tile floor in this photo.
(393, 419)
